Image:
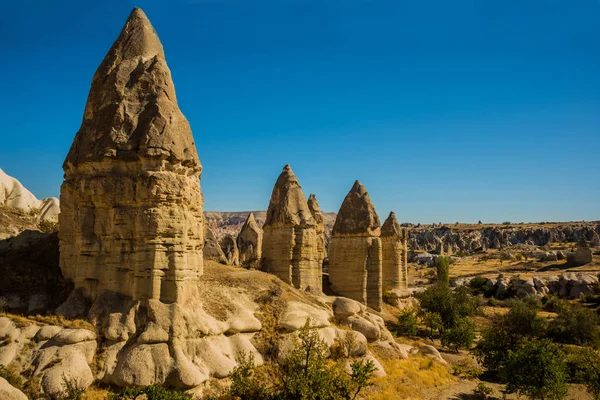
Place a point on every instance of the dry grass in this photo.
(96, 393)
(406, 379)
(58, 320)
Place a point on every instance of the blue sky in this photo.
(445, 110)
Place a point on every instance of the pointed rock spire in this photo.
(249, 242)
(391, 227)
(250, 223)
(357, 214)
(288, 205)
(315, 209)
(131, 111)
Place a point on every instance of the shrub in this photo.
(575, 325)
(536, 369)
(152, 392)
(478, 284)
(519, 257)
(442, 266)
(555, 304)
(460, 336)
(467, 368)
(407, 323)
(305, 373)
(507, 332)
(483, 390)
(588, 370)
(48, 226)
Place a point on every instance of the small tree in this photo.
(407, 323)
(536, 369)
(507, 332)
(460, 336)
(575, 325)
(588, 372)
(442, 266)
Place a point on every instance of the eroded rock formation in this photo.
(229, 247)
(131, 219)
(290, 249)
(212, 249)
(394, 272)
(355, 251)
(249, 242)
(315, 210)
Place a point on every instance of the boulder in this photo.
(296, 314)
(431, 352)
(8, 392)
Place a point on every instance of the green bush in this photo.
(459, 336)
(442, 266)
(537, 369)
(575, 325)
(507, 332)
(483, 390)
(478, 284)
(552, 303)
(152, 392)
(407, 323)
(587, 371)
(306, 373)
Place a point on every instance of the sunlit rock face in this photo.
(290, 245)
(315, 210)
(394, 272)
(355, 250)
(249, 242)
(131, 219)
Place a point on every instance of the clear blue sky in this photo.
(445, 110)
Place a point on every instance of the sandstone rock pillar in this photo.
(395, 254)
(290, 248)
(249, 242)
(131, 219)
(355, 250)
(315, 210)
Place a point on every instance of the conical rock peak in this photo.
(357, 214)
(288, 205)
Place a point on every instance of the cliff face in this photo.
(131, 219)
(467, 240)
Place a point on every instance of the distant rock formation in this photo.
(229, 247)
(212, 249)
(355, 251)
(315, 210)
(131, 220)
(394, 255)
(14, 194)
(290, 248)
(249, 242)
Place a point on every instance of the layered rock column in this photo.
(249, 241)
(315, 210)
(355, 250)
(395, 255)
(290, 245)
(131, 219)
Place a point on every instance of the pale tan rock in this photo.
(394, 255)
(249, 242)
(431, 352)
(74, 369)
(8, 392)
(290, 245)
(72, 336)
(315, 210)
(212, 249)
(297, 313)
(143, 365)
(131, 205)
(355, 251)
(230, 249)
